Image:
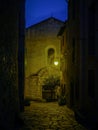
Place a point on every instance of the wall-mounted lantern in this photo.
(56, 63)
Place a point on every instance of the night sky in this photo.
(37, 10)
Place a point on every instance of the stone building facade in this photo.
(81, 37)
(12, 23)
(41, 50)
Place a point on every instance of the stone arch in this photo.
(36, 81)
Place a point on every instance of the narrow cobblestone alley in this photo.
(49, 116)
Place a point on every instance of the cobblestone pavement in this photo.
(49, 116)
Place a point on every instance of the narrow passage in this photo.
(49, 116)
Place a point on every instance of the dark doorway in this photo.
(71, 93)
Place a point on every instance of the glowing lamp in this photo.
(56, 63)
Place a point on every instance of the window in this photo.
(91, 30)
(91, 83)
(63, 41)
(51, 55)
(77, 89)
(73, 9)
(62, 44)
(73, 50)
(72, 93)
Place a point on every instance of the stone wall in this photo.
(33, 88)
(40, 38)
(9, 39)
(34, 83)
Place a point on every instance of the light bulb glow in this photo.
(56, 63)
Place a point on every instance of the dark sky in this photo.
(37, 10)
